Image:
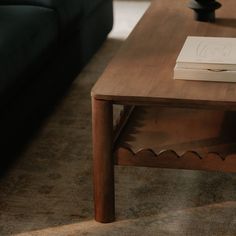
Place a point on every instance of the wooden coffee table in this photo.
(165, 123)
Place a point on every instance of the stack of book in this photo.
(207, 58)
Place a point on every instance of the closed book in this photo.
(205, 75)
(207, 58)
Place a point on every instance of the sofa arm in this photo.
(24, 2)
(67, 10)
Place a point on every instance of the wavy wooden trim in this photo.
(169, 152)
(170, 159)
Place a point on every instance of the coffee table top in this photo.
(142, 71)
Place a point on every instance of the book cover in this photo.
(208, 53)
(207, 58)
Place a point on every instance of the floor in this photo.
(48, 191)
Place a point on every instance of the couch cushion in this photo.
(89, 6)
(26, 34)
(68, 10)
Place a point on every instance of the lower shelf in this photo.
(179, 138)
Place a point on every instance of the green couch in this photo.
(43, 46)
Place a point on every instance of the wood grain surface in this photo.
(103, 165)
(179, 138)
(167, 135)
(142, 72)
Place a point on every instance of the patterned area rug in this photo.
(49, 189)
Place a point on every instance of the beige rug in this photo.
(49, 190)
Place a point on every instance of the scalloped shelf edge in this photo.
(170, 159)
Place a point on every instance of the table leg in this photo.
(103, 165)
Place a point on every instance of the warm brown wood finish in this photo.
(143, 69)
(179, 138)
(103, 161)
(120, 123)
(168, 128)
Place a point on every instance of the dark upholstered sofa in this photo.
(43, 46)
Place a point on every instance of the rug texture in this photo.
(49, 190)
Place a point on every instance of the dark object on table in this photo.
(204, 9)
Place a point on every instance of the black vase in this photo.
(204, 9)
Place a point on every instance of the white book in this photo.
(207, 58)
(204, 75)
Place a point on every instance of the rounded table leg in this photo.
(103, 161)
